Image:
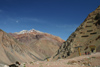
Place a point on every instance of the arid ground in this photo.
(92, 60)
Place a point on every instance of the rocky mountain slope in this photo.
(85, 36)
(44, 44)
(27, 47)
(11, 50)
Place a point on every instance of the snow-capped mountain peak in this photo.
(28, 31)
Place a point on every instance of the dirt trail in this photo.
(92, 60)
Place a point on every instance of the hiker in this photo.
(88, 53)
(85, 53)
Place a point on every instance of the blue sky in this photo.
(57, 17)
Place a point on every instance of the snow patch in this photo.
(26, 31)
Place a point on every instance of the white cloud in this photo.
(5, 23)
(68, 27)
(17, 21)
(0, 10)
(23, 19)
(32, 20)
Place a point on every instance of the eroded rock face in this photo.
(88, 33)
(11, 50)
(27, 47)
(44, 44)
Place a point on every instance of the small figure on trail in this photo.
(85, 53)
(88, 53)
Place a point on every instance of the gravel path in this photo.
(92, 60)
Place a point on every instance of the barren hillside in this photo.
(44, 44)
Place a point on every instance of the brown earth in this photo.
(92, 60)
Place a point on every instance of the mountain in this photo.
(27, 46)
(11, 50)
(44, 44)
(86, 37)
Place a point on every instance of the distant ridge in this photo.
(26, 31)
(11, 50)
(27, 46)
(44, 44)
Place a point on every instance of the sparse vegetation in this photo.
(31, 62)
(24, 65)
(93, 57)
